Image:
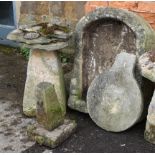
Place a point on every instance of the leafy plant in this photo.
(65, 58)
(25, 52)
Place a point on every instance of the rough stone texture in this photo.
(48, 47)
(49, 112)
(99, 54)
(67, 13)
(13, 127)
(147, 65)
(149, 133)
(134, 26)
(17, 35)
(51, 138)
(42, 67)
(114, 99)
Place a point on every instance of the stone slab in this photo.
(49, 112)
(51, 138)
(17, 35)
(48, 47)
(114, 99)
(43, 67)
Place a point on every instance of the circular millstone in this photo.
(114, 99)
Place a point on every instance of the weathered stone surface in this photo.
(18, 36)
(49, 112)
(114, 99)
(43, 33)
(51, 138)
(149, 133)
(31, 35)
(124, 30)
(147, 65)
(48, 47)
(43, 67)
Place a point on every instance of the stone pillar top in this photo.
(42, 36)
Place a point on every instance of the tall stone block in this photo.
(43, 66)
(49, 112)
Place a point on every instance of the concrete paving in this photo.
(13, 125)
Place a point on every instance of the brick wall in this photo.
(142, 8)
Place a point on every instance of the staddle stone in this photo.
(149, 133)
(114, 100)
(49, 112)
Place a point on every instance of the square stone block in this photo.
(51, 138)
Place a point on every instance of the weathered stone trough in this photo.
(100, 36)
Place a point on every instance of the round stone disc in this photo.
(114, 101)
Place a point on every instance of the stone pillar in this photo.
(49, 112)
(43, 66)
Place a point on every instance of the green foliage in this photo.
(65, 58)
(25, 52)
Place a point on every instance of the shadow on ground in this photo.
(87, 138)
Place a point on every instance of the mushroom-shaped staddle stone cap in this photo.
(42, 36)
(147, 65)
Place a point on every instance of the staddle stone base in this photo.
(149, 133)
(51, 138)
(43, 66)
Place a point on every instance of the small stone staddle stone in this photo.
(114, 99)
(147, 65)
(44, 40)
(44, 95)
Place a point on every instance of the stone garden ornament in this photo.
(114, 99)
(99, 37)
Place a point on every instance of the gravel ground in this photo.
(87, 138)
